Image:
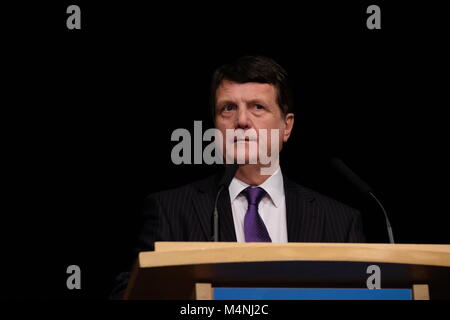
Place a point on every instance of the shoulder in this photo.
(325, 204)
(205, 185)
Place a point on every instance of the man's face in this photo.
(251, 105)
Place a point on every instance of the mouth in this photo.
(246, 139)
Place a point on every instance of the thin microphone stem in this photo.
(216, 217)
(388, 224)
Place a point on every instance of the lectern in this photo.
(194, 270)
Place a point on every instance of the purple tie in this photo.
(254, 228)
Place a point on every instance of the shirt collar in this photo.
(273, 186)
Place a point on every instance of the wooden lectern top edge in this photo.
(189, 253)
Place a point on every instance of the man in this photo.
(251, 93)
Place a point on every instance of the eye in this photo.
(228, 108)
(259, 107)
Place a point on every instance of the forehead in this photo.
(229, 90)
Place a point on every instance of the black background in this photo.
(88, 115)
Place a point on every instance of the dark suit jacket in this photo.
(185, 214)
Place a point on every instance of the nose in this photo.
(243, 121)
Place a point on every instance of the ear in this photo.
(288, 125)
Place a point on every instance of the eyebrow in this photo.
(258, 101)
(224, 102)
(252, 101)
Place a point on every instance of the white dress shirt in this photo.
(272, 207)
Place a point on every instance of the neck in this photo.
(251, 173)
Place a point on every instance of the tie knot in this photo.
(254, 195)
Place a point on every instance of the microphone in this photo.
(230, 171)
(353, 178)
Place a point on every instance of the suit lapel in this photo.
(304, 223)
(226, 222)
(204, 205)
